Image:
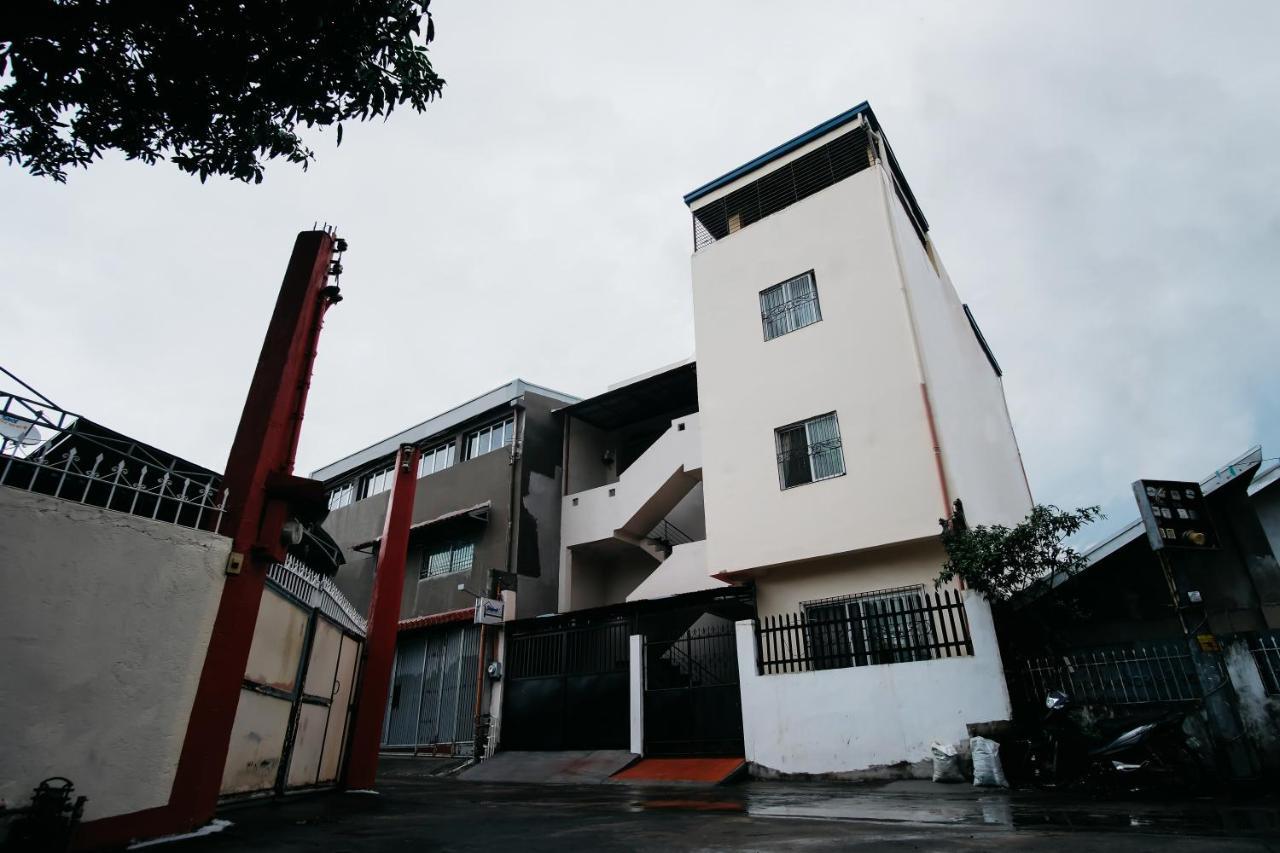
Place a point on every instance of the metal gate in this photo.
(567, 688)
(692, 703)
(433, 692)
(296, 698)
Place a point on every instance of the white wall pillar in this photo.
(637, 694)
(748, 674)
(508, 597)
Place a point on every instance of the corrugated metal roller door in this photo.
(433, 692)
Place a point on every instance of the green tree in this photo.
(216, 86)
(998, 561)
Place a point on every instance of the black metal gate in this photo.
(692, 703)
(567, 688)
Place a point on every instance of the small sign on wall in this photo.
(489, 611)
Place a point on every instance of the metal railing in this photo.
(52, 452)
(1266, 654)
(669, 534)
(699, 656)
(312, 589)
(1154, 672)
(873, 631)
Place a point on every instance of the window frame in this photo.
(342, 496)
(450, 451)
(451, 547)
(472, 438)
(770, 316)
(783, 456)
(375, 482)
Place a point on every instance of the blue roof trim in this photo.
(783, 149)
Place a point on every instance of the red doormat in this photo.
(711, 771)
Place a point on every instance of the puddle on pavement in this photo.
(1012, 812)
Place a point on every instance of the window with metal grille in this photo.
(436, 459)
(490, 438)
(838, 159)
(788, 306)
(447, 558)
(809, 451)
(885, 626)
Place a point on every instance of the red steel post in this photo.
(260, 487)
(384, 619)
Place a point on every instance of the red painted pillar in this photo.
(384, 619)
(261, 493)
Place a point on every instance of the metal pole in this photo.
(261, 487)
(1219, 696)
(384, 618)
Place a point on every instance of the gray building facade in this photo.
(487, 498)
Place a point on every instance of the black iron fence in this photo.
(865, 632)
(1150, 672)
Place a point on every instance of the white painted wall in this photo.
(594, 514)
(782, 589)
(104, 621)
(859, 361)
(684, 571)
(873, 719)
(979, 450)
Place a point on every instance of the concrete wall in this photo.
(104, 619)
(661, 479)
(868, 720)
(979, 450)
(597, 579)
(859, 361)
(1259, 712)
(526, 538)
(782, 589)
(685, 570)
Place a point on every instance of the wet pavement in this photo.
(418, 811)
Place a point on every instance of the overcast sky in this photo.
(1103, 185)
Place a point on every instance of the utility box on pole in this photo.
(1176, 518)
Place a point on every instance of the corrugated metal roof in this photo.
(1243, 464)
(443, 422)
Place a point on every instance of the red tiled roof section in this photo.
(466, 614)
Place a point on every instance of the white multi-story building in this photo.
(842, 400)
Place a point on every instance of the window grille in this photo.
(436, 459)
(846, 632)
(838, 159)
(492, 437)
(788, 306)
(446, 559)
(809, 451)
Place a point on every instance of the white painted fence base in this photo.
(869, 721)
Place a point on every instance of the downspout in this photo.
(915, 337)
(517, 472)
